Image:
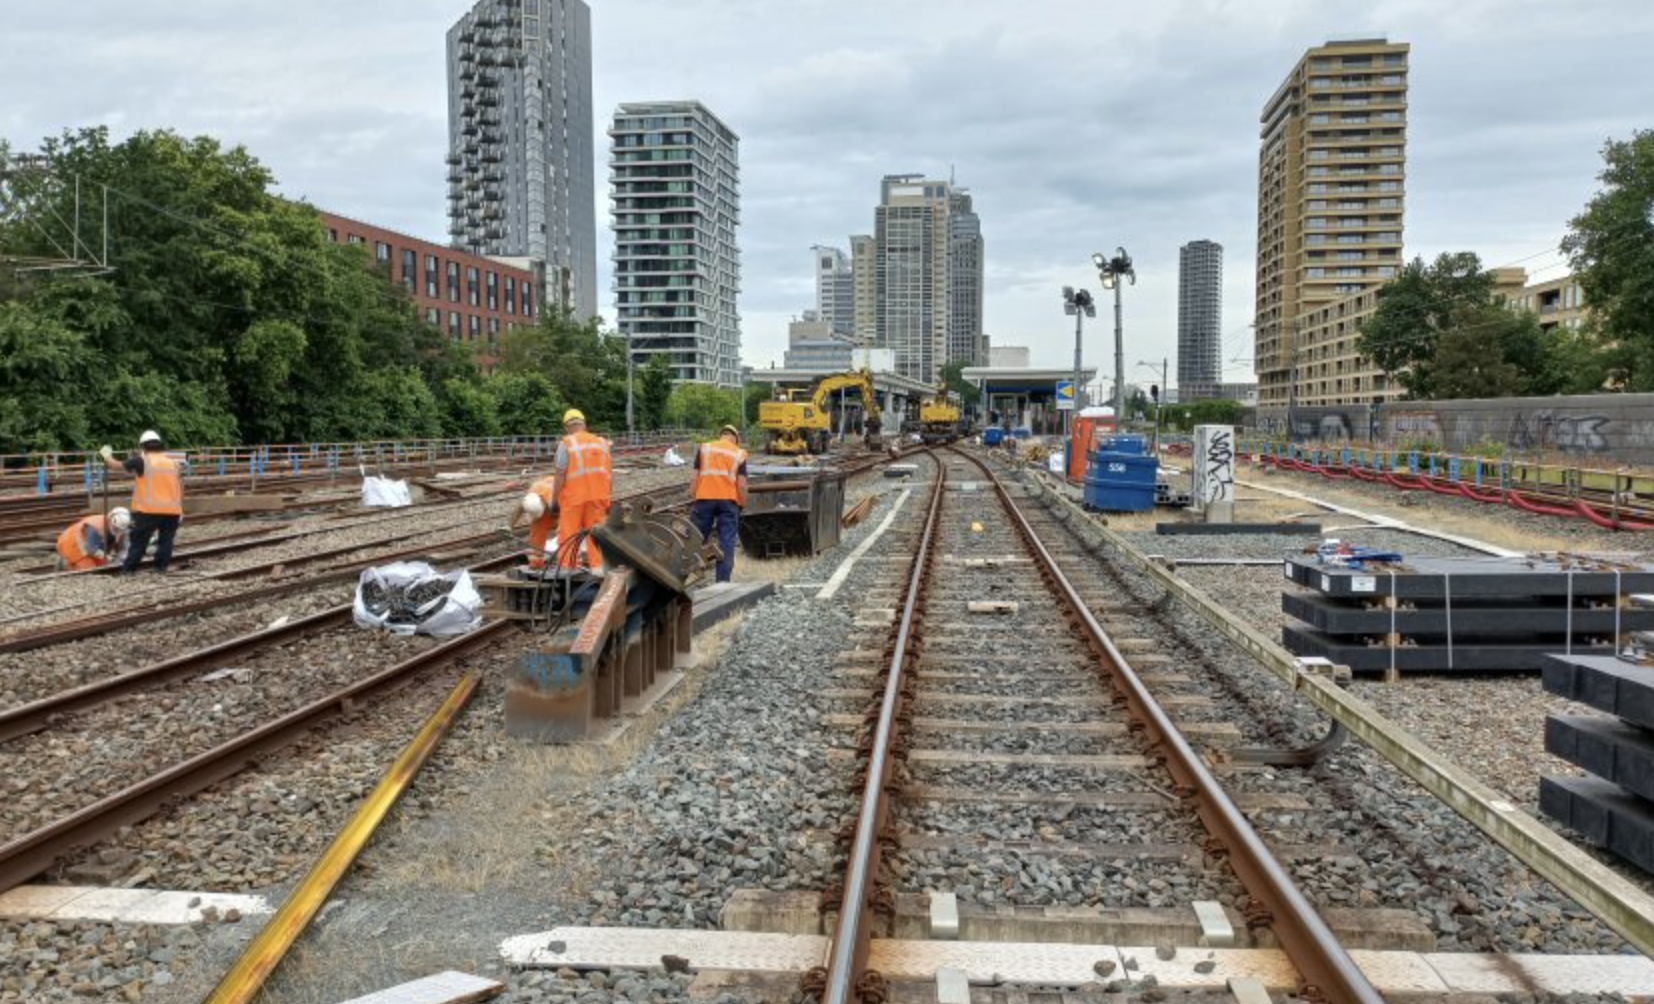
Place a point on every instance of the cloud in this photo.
(1078, 125)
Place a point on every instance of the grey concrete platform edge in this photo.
(1615, 901)
(723, 600)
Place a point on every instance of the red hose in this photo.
(1584, 509)
(1580, 508)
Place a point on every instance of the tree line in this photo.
(1442, 330)
(227, 316)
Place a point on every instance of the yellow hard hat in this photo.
(573, 415)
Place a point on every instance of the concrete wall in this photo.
(1610, 427)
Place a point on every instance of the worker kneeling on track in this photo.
(583, 487)
(94, 541)
(157, 499)
(719, 484)
(539, 507)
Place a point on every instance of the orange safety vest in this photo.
(71, 543)
(587, 478)
(720, 466)
(160, 488)
(542, 488)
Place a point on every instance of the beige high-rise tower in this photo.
(1331, 172)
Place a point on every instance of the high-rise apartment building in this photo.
(520, 168)
(1331, 173)
(676, 202)
(864, 289)
(1199, 320)
(966, 343)
(835, 290)
(914, 274)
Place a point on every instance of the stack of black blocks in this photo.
(1614, 808)
(1439, 615)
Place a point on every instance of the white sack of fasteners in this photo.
(385, 493)
(411, 597)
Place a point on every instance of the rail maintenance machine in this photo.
(601, 646)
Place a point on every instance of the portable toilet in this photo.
(1090, 425)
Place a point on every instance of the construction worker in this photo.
(719, 486)
(537, 507)
(582, 485)
(94, 541)
(157, 499)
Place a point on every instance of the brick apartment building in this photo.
(473, 298)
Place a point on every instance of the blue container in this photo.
(1120, 482)
(993, 435)
(1124, 443)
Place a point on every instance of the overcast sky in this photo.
(1078, 124)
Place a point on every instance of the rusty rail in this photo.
(846, 977)
(34, 852)
(36, 715)
(1328, 971)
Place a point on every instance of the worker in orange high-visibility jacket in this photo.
(719, 486)
(584, 481)
(538, 507)
(157, 499)
(94, 541)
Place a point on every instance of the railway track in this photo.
(961, 709)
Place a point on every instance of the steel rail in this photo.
(52, 634)
(28, 855)
(261, 957)
(25, 719)
(852, 936)
(1617, 902)
(1327, 969)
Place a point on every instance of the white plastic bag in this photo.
(385, 493)
(411, 597)
(672, 459)
(1056, 461)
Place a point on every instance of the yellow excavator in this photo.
(796, 424)
(939, 417)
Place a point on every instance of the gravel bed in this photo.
(1043, 743)
(1499, 524)
(1282, 546)
(1050, 822)
(53, 772)
(1408, 841)
(1055, 711)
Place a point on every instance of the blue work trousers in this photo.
(726, 517)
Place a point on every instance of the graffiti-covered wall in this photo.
(1616, 427)
(1611, 426)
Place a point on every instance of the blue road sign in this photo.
(1065, 395)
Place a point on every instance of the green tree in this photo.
(757, 394)
(587, 367)
(953, 375)
(653, 390)
(1610, 247)
(468, 408)
(527, 403)
(1415, 308)
(43, 362)
(702, 406)
(1470, 362)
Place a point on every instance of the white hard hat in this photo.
(534, 505)
(119, 519)
(149, 436)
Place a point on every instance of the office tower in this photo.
(1199, 319)
(1331, 170)
(835, 290)
(520, 169)
(864, 312)
(676, 200)
(965, 261)
(915, 248)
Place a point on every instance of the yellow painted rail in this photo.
(247, 976)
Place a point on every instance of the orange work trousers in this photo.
(573, 518)
(539, 532)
